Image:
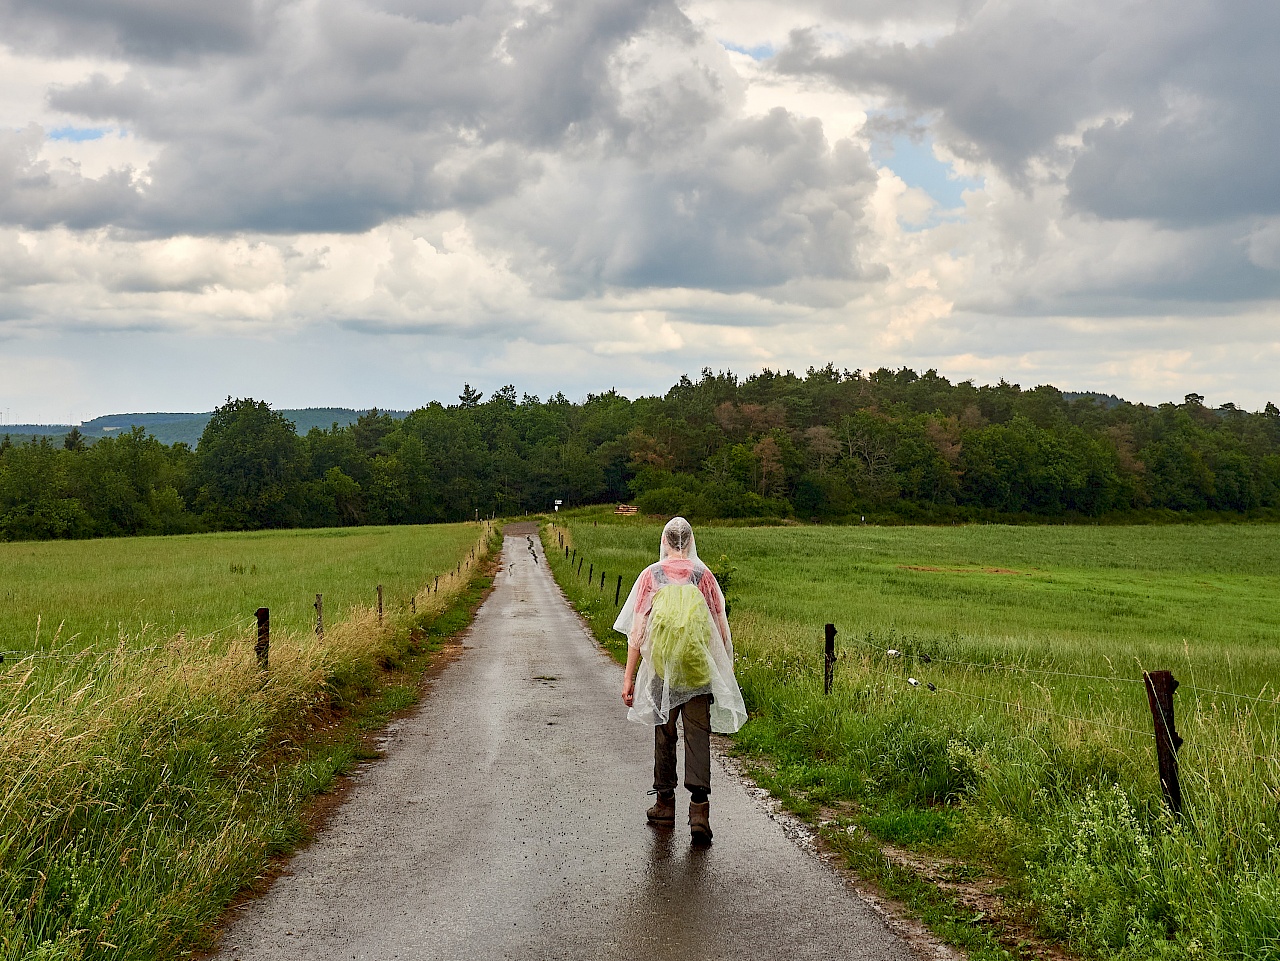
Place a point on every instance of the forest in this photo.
(832, 445)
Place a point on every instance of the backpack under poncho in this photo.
(685, 647)
(680, 632)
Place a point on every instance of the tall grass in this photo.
(1016, 759)
(141, 789)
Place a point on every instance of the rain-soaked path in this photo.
(507, 821)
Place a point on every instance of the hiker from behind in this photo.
(678, 637)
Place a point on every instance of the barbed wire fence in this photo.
(260, 618)
(1159, 685)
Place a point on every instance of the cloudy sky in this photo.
(360, 202)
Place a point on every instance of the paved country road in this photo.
(507, 821)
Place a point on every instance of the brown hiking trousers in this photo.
(697, 747)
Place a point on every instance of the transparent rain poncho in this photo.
(674, 616)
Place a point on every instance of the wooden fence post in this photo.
(319, 606)
(263, 646)
(1160, 688)
(602, 580)
(617, 591)
(413, 605)
(379, 605)
(829, 660)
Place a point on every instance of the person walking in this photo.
(680, 665)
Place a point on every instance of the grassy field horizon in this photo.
(92, 593)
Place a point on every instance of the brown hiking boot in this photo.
(700, 821)
(663, 811)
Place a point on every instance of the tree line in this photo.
(832, 445)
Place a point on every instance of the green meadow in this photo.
(150, 767)
(1032, 754)
(148, 589)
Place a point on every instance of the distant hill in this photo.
(170, 428)
(1106, 400)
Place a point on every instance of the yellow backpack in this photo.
(680, 632)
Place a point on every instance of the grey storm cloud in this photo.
(340, 115)
(752, 205)
(1196, 272)
(149, 29)
(1175, 102)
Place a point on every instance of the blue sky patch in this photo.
(913, 161)
(763, 52)
(77, 134)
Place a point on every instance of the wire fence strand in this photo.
(1001, 666)
(1010, 705)
(1269, 701)
(22, 655)
(995, 665)
(1040, 710)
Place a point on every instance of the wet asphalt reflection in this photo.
(507, 821)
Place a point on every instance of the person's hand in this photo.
(628, 691)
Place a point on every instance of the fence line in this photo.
(1272, 701)
(995, 665)
(924, 658)
(82, 652)
(240, 622)
(1115, 679)
(1040, 710)
(70, 655)
(1016, 707)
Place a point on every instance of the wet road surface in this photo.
(507, 821)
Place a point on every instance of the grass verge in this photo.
(141, 791)
(1030, 759)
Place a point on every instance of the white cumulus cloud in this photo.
(576, 195)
